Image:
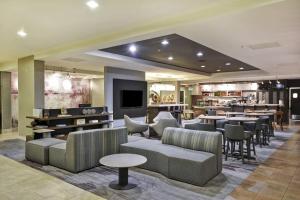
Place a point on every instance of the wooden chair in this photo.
(279, 119)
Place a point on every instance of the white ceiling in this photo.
(68, 29)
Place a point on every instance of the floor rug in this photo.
(152, 185)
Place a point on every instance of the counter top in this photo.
(216, 107)
(167, 105)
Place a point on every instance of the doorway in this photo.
(295, 101)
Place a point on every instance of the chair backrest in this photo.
(200, 127)
(211, 113)
(265, 119)
(221, 123)
(163, 115)
(85, 148)
(234, 132)
(195, 140)
(250, 126)
(160, 126)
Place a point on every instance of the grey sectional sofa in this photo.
(186, 155)
(81, 151)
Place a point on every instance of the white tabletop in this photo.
(167, 105)
(242, 119)
(259, 114)
(234, 113)
(123, 160)
(211, 117)
(43, 130)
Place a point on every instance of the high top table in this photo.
(241, 120)
(122, 161)
(213, 118)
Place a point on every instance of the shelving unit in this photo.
(64, 124)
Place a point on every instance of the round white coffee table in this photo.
(122, 161)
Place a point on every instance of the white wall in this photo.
(111, 73)
(97, 92)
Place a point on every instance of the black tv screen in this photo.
(131, 98)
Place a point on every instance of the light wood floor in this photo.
(19, 181)
(276, 179)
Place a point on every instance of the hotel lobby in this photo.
(142, 100)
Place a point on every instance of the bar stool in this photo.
(211, 113)
(250, 128)
(235, 134)
(262, 129)
(220, 126)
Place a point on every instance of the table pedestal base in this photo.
(122, 184)
(115, 185)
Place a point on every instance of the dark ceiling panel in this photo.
(184, 52)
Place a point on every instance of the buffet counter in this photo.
(198, 110)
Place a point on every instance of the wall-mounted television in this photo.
(131, 98)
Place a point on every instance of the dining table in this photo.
(211, 118)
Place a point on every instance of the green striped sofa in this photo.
(83, 149)
(189, 156)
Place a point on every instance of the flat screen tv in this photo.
(131, 98)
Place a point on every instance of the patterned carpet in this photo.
(152, 185)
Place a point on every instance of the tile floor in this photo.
(276, 179)
(18, 181)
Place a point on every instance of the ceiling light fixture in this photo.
(22, 33)
(165, 42)
(199, 54)
(228, 63)
(92, 4)
(202, 66)
(241, 68)
(132, 48)
(170, 58)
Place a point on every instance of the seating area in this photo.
(150, 100)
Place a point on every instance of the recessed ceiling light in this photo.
(218, 70)
(170, 58)
(132, 48)
(241, 68)
(22, 33)
(92, 4)
(165, 42)
(202, 66)
(199, 54)
(228, 63)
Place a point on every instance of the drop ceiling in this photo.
(183, 52)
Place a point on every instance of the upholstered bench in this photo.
(38, 150)
(186, 155)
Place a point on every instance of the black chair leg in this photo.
(227, 149)
(242, 150)
(253, 146)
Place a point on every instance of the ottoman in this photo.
(38, 150)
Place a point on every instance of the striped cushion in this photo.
(85, 148)
(192, 139)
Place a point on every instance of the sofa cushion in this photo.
(195, 140)
(57, 155)
(38, 150)
(191, 139)
(195, 167)
(156, 161)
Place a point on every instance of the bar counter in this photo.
(154, 109)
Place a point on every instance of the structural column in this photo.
(31, 86)
(5, 101)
